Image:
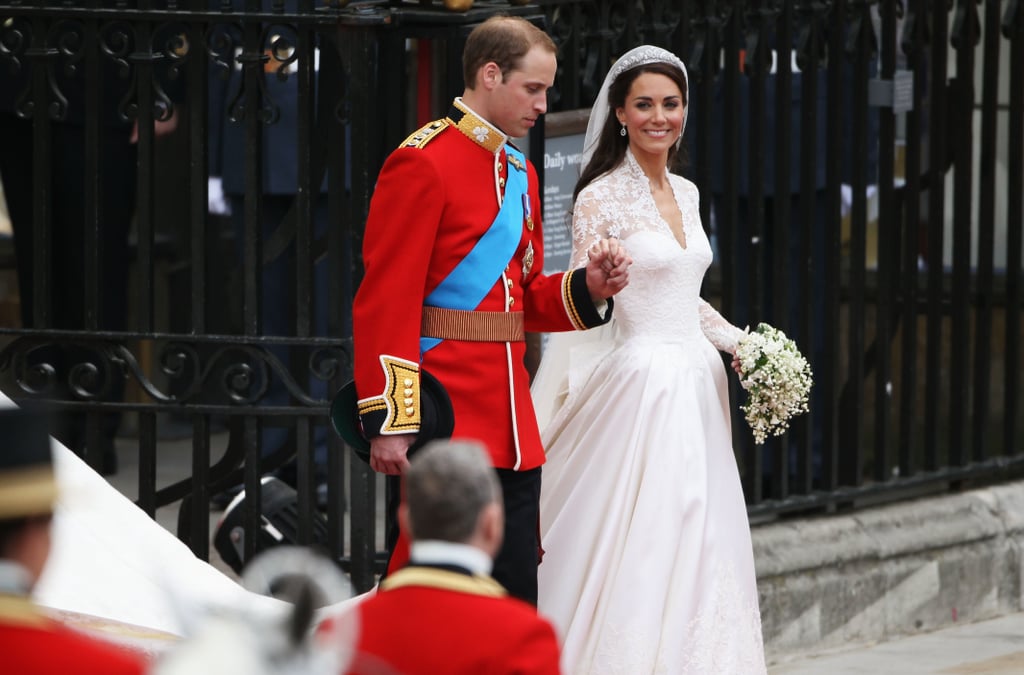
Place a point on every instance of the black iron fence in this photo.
(860, 166)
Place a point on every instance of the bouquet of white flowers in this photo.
(777, 379)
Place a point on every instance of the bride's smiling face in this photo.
(653, 114)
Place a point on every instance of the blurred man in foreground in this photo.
(443, 613)
(30, 642)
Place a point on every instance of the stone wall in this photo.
(837, 581)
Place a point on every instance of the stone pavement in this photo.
(993, 647)
(861, 577)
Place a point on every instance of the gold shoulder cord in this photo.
(425, 134)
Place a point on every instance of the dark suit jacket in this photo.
(798, 129)
(228, 139)
(745, 123)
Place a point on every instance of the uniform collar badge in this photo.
(476, 128)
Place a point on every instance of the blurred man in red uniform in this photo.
(443, 613)
(30, 642)
(453, 253)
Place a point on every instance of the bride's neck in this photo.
(656, 170)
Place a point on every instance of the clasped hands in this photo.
(607, 268)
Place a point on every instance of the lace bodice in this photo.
(662, 300)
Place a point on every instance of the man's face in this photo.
(31, 546)
(521, 97)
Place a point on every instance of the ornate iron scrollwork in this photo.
(966, 31)
(79, 368)
(861, 28)
(1013, 20)
(278, 53)
(759, 19)
(810, 41)
(705, 30)
(65, 368)
(166, 47)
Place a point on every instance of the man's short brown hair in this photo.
(504, 40)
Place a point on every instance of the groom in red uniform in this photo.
(453, 253)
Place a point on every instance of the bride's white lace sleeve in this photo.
(722, 334)
(590, 224)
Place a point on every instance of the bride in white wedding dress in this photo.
(648, 565)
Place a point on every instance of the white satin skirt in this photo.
(648, 565)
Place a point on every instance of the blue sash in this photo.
(468, 284)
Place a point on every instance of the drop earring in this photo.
(622, 131)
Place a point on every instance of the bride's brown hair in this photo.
(611, 145)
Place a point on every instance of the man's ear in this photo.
(492, 527)
(489, 75)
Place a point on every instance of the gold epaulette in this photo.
(423, 135)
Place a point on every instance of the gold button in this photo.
(408, 391)
(408, 382)
(511, 301)
(509, 282)
(501, 182)
(408, 401)
(409, 411)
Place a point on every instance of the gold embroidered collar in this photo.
(19, 610)
(476, 128)
(432, 577)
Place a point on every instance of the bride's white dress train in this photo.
(648, 565)
(117, 573)
(109, 560)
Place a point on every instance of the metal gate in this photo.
(906, 293)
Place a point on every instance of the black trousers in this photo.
(515, 567)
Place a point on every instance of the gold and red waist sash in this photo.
(470, 325)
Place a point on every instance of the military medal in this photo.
(528, 259)
(526, 210)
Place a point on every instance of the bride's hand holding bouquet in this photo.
(777, 378)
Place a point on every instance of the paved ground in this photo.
(994, 647)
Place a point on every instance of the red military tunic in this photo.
(32, 644)
(435, 198)
(426, 621)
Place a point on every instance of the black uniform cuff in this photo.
(579, 296)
